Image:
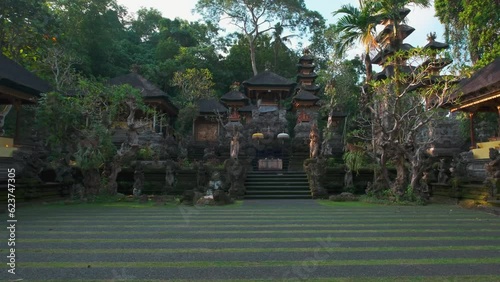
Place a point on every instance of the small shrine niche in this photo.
(206, 127)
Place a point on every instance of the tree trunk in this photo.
(116, 167)
(398, 187)
(252, 56)
(415, 178)
(368, 66)
(91, 181)
(128, 149)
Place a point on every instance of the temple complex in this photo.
(270, 114)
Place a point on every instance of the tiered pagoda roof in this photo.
(404, 32)
(210, 106)
(307, 89)
(432, 66)
(402, 14)
(303, 95)
(435, 45)
(268, 78)
(379, 59)
(247, 108)
(234, 96)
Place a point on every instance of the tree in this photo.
(255, 17)
(409, 103)
(93, 30)
(279, 42)
(357, 25)
(471, 27)
(78, 129)
(147, 24)
(194, 84)
(25, 26)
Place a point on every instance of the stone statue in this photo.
(215, 183)
(138, 180)
(235, 176)
(235, 146)
(314, 142)
(493, 167)
(316, 170)
(170, 179)
(442, 175)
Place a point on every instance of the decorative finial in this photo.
(306, 51)
(267, 65)
(235, 86)
(431, 37)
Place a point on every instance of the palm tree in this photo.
(279, 41)
(357, 25)
(391, 11)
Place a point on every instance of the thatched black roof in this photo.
(149, 91)
(381, 55)
(482, 87)
(402, 14)
(388, 71)
(307, 75)
(247, 108)
(435, 45)
(210, 106)
(306, 58)
(483, 78)
(135, 80)
(234, 95)
(268, 78)
(404, 29)
(311, 88)
(17, 77)
(303, 95)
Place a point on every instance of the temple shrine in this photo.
(270, 114)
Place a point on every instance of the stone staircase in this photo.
(277, 185)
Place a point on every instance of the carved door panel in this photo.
(206, 132)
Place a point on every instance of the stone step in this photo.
(277, 185)
(274, 197)
(281, 191)
(269, 188)
(276, 178)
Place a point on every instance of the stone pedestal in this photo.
(448, 140)
(270, 164)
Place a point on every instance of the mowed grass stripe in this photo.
(218, 264)
(262, 250)
(468, 278)
(243, 217)
(461, 230)
(234, 212)
(197, 220)
(250, 240)
(474, 225)
(117, 227)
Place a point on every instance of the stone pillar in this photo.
(472, 133)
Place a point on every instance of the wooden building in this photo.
(206, 127)
(153, 96)
(18, 87)
(479, 93)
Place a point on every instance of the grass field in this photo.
(288, 240)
